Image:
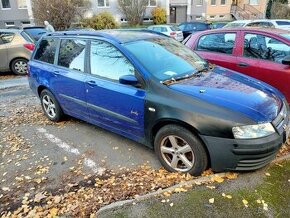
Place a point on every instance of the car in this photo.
(15, 50)
(188, 28)
(218, 25)
(152, 89)
(35, 32)
(260, 53)
(266, 23)
(169, 30)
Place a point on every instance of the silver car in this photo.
(169, 30)
(16, 47)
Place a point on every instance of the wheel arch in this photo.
(164, 122)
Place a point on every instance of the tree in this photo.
(280, 10)
(133, 10)
(277, 4)
(59, 13)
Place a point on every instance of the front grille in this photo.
(280, 119)
(256, 163)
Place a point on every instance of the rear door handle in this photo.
(243, 64)
(91, 83)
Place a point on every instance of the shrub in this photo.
(104, 20)
(280, 11)
(159, 15)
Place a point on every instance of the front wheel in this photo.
(50, 106)
(180, 151)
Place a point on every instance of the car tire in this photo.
(179, 150)
(50, 106)
(19, 66)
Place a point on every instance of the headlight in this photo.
(253, 131)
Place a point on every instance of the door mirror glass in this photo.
(128, 80)
(286, 60)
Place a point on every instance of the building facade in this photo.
(178, 11)
(15, 13)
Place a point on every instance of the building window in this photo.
(253, 2)
(22, 4)
(152, 3)
(213, 2)
(198, 17)
(222, 16)
(9, 24)
(25, 22)
(199, 2)
(5, 4)
(223, 2)
(212, 17)
(103, 3)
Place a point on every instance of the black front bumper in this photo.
(242, 154)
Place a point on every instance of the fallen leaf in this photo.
(217, 179)
(245, 202)
(38, 197)
(171, 205)
(267, 174)
(53, 211)
(211, 201)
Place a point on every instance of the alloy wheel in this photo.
(177, 153)
(49, 106)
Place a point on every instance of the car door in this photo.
(218, 48)
(262, 57)
(112, 105)
(69, 77)
(3, 52)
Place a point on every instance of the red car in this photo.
(261, 53)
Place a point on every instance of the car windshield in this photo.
(286, 35)
(166, 58)
(233, 25)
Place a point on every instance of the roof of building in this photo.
(120, 36)
(257, 29)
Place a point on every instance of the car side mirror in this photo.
(128, 80)
(286, 60)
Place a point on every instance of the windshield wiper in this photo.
(187, 76)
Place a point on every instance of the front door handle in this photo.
(243, 64)
(56, 72)
(91, 83)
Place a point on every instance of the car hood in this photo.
(253, 98)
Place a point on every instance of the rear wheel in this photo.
(19, 66)
(180, 150)
(50, 106)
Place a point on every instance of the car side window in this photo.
(46, 50)
(108, 62)
(265, 48)
(72, 54)
(217, 42)
(6, 38)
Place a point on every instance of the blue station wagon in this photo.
(154, 90)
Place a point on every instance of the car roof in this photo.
(119, 36)
(262, 30)
(163, 25)
(193, 22)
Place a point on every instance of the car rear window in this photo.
(46, 50)
(283, 23)
(27, 37)
(234, 25)
(174, 28)
(35, 33)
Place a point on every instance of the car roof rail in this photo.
(144, 30)
(83, 33)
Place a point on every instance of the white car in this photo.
(169, 30)
(279, 24)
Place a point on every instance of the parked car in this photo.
(188, 28)
(279, 24)
(154, 90)
(169, 30)
(35, 32)
(260, 53)
(218, 25)
(15, 50)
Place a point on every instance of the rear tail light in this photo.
(172, 33)
(29, 46)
